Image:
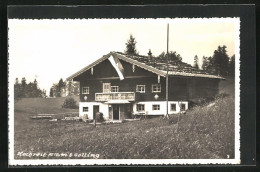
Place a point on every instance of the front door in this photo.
(95, 110)
(115, 112)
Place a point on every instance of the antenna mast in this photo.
(167, 71)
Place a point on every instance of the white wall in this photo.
(102, 108)
(148, 108)
(149, 105)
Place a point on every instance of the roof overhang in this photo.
(89, 66)
(199, 75)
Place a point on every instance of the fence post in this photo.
(179, 114)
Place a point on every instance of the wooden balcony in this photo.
(130, 96)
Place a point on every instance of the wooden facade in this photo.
(180, 88)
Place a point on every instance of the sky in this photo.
(52, 49)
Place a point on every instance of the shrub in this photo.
(200, 102)
(129, 115)
(99, 117)
(70, 103)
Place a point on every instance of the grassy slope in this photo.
(204, 132)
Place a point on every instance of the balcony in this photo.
(130, 96)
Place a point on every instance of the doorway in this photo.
(115, 112)
(95, 110)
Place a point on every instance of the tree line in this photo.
(218, 64)
(24, 90)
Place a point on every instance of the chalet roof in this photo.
(157, 66)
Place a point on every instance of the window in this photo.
(106, 87)
(114, 89)
(156, 88)
(140, 88)
(156, 107)
(183, 106)
(85, 90)
(140, 107)
(85, 109)
(173, 107)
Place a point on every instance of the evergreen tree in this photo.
(57, 91)
(23, 83)
(54, 88)
(131, 46)
(211, 68)
(232, 66)
(44, 93)
(69, 88)
(24, 90)
(35, 82)
(17, 90)
(23, 87)
(205, 63)
(220, 61)
(51, 92)
(30, 92)
(61, 86)
(76, 88)
(35, 92)
(16, 81)
(173, 56)
(196, 62)
(58, 88)
(161, 56)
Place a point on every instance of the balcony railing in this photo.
(130, 96)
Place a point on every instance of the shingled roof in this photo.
(155, 65)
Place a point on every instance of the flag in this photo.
(118, 66)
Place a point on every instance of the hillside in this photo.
(43, 105)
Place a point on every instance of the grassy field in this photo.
(203, 132)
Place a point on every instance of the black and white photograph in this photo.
(124, 91)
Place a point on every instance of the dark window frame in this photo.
(85, 87)
(137, 90)
(156, 107)
(85, 109)
(175, 109)
(140, 109)
(158, 88)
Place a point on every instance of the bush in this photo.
(70, 103)
(200, 102)
(99, 117)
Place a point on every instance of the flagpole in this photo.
(167, 71)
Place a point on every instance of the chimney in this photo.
(149, 55)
